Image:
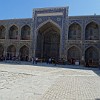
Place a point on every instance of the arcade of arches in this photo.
(91, 31)
(11, 53)
(74, 53)
(13, 32)
(74, 33)
(48, 42)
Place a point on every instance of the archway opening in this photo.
(74, 54)
(1, 52)
(92, 31)
(11, 52)
(13, 32)
(48, 41)
(74, 32)
(25, 32)
(92, 56)
(2, 32)
(24, 53)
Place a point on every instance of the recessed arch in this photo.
(24, 53)
(73, 54)
(92, 46)
(48, 41)
(92, 31)
(13, 32)
(48, 21)
(25, 32)
(92, 56)
(1, 51)
(11, 52)
(74, 32)
(2, 32)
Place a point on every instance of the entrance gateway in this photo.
(48, 41)
(48, 32)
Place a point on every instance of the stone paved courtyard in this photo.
(61, 82)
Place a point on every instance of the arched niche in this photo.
(74, 32)
(73, 54)
(2, 32)
(92, 31)
(11, 52)
(24, 53)
(92, 56)
(13, 32)
(25, 32)
(48, 41)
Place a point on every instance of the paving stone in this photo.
(28, 82)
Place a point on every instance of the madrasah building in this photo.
(51, 33)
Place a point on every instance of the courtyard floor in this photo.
(48, 82)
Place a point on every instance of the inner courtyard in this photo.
(47, 82)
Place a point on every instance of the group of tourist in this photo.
(48, 61)
(13, 58)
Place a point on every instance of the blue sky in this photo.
(23, 8)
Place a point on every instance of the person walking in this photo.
(36, 60)
(50, 60)
(33, 60)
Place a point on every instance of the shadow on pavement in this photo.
(97, 99)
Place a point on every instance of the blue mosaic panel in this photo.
(76, 21)
(56, 19)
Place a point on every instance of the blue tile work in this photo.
(54, 18)
(76, 21)
(58, 19)
(18, 22)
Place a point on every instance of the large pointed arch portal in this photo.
(48, 41)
